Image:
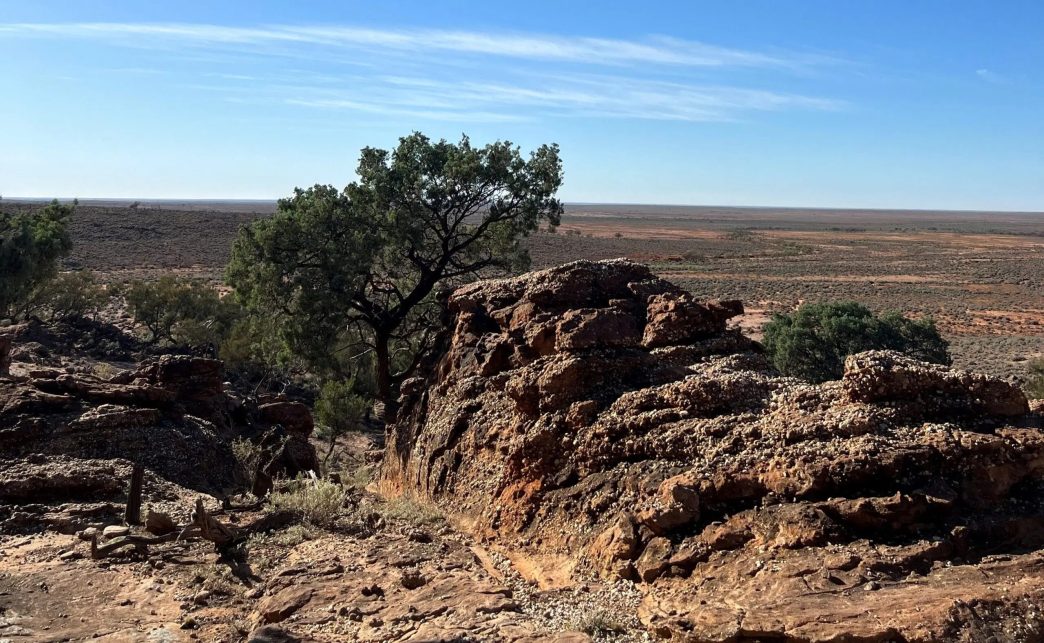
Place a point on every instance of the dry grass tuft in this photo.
(412, 512)
(600, 625)
(317, 502)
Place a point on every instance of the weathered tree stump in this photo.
(132, 514)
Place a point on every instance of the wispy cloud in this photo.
(659, 50)
(610, 96)
(991, 76)
(462, 76)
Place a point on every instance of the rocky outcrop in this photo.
(172, 414)
(284, 450)
(597, 413)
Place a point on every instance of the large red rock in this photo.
(596, 413)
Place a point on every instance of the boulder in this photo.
(278, 607)
(188, 377)
(293, 416)
(673, 319)
(158, 523)
(615, 547)
(889, 376)
(38, 479)
(271, 634)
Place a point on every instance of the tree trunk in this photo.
(386, 394)
(132, 513)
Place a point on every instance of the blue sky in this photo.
(900, 104)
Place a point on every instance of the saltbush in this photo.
(812, 343)
(318, 502)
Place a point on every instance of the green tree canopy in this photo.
(357, 268)
(813, 342)
(31, 243)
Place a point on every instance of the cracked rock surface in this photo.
(604, 421)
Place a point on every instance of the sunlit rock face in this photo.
(596, 414)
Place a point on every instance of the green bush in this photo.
(31, 243)
(68, 295)
(182, 311)
(1035, 383)
(813, 342)
(340, 409)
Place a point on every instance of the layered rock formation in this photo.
(66, 429)
(596, 413)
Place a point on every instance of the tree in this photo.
(358, 268)
(813, 342)
(31, 243)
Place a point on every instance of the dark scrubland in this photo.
(980, 275)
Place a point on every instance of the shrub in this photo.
(813, 342)
(68, 295)
(358, 477)
(1035, 383)
(181, 311)
(318, 502)
(600, 624)
(31, 243)
(247, 455)
(293, 535)
(339, 409)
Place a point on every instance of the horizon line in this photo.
(270, 200)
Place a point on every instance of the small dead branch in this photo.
(140, 543)
(201, 526)
(209, 528)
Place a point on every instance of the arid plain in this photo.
(979, 274)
